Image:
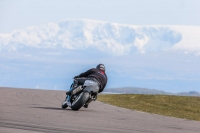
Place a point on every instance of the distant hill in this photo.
(135, 90)
(190, 93)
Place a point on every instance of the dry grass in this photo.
(176, 106)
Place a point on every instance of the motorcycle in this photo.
(78, 97)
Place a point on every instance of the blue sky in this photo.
(165, 58)
(22, 13)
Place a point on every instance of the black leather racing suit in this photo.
(98, 75)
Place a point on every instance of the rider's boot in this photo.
(86, 106)
(92, 98)
(69, 93)
(87, 103)
(75, 85)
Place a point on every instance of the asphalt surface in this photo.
(35, 111)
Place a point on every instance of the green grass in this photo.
(175, 106)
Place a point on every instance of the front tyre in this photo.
(64, 105)
(80, 101)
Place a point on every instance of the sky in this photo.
(19, 14)
(159, 58)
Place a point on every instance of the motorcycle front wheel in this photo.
(64, 105)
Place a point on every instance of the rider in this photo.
(95, 77)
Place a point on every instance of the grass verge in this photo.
(175, 106)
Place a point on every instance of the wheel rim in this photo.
(77, 98)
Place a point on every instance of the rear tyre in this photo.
(80, 101)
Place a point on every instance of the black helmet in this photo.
(101, 67)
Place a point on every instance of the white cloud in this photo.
(116, 39)
(140, 43)
(190, 38)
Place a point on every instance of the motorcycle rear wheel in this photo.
(80, 101)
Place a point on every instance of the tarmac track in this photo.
(36, 111)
